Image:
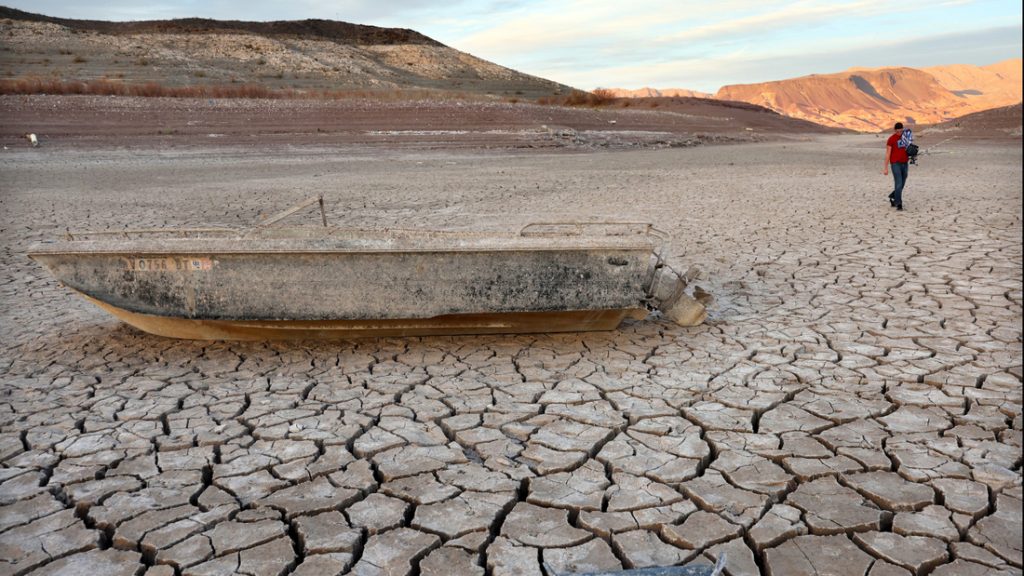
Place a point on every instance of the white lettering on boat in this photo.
(168, 264)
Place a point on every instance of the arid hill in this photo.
(871, 99)
(308, 54)
(984, 83)
(996, 124)
(647, 92)
(340, 32)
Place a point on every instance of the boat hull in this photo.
(355, 286)
(446, 325)
(332, 283)
(220, 284)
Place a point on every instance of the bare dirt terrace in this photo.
(852, 406)
(390, 121)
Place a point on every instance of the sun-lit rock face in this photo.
(872, 99)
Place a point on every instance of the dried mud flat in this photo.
(853, 405)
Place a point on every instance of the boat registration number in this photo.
(168, 264)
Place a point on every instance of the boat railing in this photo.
(570, 228)
(196, 232)
(128, 233)
(274, 219)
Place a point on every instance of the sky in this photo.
(695, 44)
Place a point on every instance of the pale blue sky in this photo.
(696, 44)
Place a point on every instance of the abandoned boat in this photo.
(321, 282)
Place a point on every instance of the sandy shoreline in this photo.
(859, 363)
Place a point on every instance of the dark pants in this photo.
(899, 176)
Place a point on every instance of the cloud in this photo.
(792, 15)
(613, 25)
(621, 26)
(983, 46)
(701, 45)
(574, 41)
(555, 26)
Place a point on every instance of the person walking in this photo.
(898, 159)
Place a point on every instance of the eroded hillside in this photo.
(312, 54)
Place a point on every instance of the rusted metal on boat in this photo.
(320, 282)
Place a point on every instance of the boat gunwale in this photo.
(309, 240)
(249, 246)
(207, 251)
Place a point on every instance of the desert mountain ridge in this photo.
(647, 92)
(302, 54)
(871, 99)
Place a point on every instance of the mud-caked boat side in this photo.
(223, 284)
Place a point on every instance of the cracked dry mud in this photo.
(852, 406)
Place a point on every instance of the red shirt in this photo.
(897, 155)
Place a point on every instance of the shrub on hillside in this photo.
(109, 87)
(599, 97)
